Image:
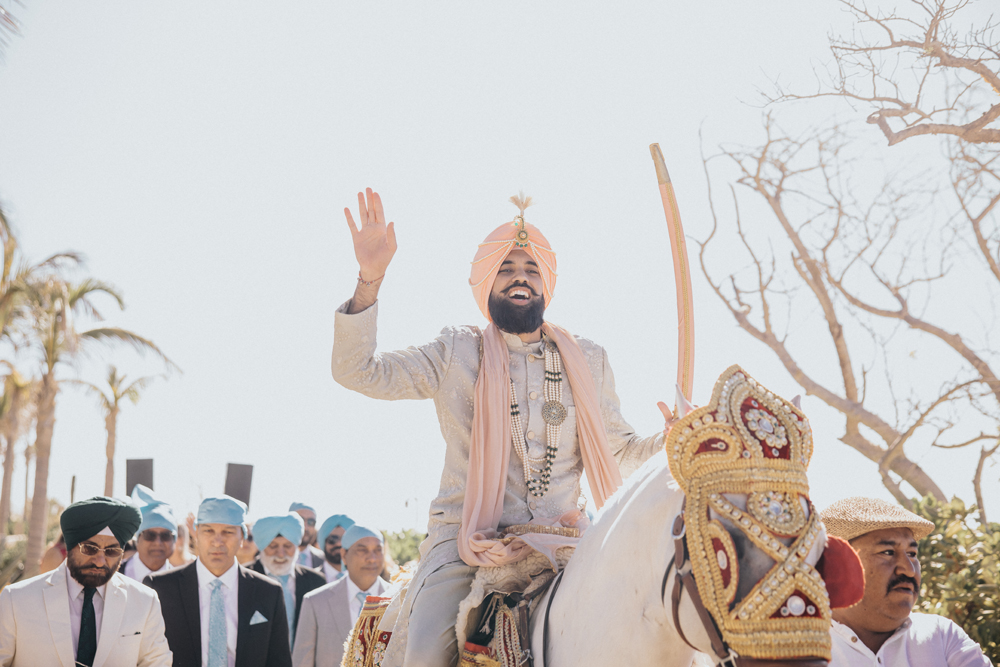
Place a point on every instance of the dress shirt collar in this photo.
(76, 588)
(229, 578)
(140, 570)
(515, 344)
(353, 589)
(851, 638)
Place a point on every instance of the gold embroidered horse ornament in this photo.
(724, 556)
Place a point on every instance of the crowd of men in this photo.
(282, 602)
(99, 610)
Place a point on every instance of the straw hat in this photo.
(856, 516)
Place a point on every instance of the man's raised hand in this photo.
(375, 241)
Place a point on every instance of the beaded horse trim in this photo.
(749, 444)
(524, 528)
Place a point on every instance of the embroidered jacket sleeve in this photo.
(413, 373)
(629, 449)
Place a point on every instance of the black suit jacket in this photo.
(259, 645)
(306, 580)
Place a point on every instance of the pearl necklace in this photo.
(554, 414)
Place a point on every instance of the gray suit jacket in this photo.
(328, 608)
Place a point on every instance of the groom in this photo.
(525, 408)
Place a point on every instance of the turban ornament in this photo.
(509, 236)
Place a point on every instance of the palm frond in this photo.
(134, 390)
(137, 342)
(79, 293)
(93, 390)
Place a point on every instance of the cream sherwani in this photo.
(445, 371)
(36, 628)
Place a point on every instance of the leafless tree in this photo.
(869, 260)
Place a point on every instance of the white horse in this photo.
(613, 606)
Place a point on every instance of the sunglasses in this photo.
(91, 549)
(154, 535)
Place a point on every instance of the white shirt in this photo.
(136, 569)
(230, 593)
(332, 574)
(352, 597)
(75, 591)
(923, 640)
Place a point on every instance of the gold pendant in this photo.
(554, 413)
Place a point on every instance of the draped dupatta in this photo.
(489, 451)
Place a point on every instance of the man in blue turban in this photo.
(309, 555)
(156, 537)
(329, 536)
(329, 614)
(278, 538)
(79, 612)
(217, 612)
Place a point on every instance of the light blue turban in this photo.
(334, 521)
(155, 512)
(355, 533)
(296, 506)
(223, 509)
(143, 495)
(158, 515)
(290, 526)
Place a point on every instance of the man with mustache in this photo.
(84, 612)
(309, 555)
(882, 630)
(156, 538)
(525, 407)
(329, 613)
(329, 535)
(280, 537)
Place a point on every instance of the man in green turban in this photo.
(93, 615)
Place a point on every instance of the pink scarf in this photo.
(489, 451)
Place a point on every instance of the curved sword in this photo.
(682, 280)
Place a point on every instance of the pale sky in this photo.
(200, 154)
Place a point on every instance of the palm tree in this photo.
(54, 302)
(16, 408)
(110, 403)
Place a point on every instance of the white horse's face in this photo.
(753, 564)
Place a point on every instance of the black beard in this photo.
(333, 560)
(91, 578)
(514, 318)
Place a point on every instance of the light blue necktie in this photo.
(289, 604)
(305, 558)
(217, 628)
(362, 596)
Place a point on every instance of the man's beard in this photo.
(90, 575)
(273, 567)
(514, 318)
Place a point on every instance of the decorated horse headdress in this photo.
(748, 442)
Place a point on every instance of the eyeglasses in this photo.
(91, 549)
(153, 535)
(310, 522)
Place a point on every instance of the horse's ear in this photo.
(797, 401)
(683, 407)
(842, 573)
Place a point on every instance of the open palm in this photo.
(375, 241)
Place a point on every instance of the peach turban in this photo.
(494, 250)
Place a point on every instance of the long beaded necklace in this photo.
(554, 414)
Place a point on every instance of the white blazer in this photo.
(35, 624)
(324, 625)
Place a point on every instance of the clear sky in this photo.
(200, 155)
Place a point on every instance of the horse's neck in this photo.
(608, 609)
